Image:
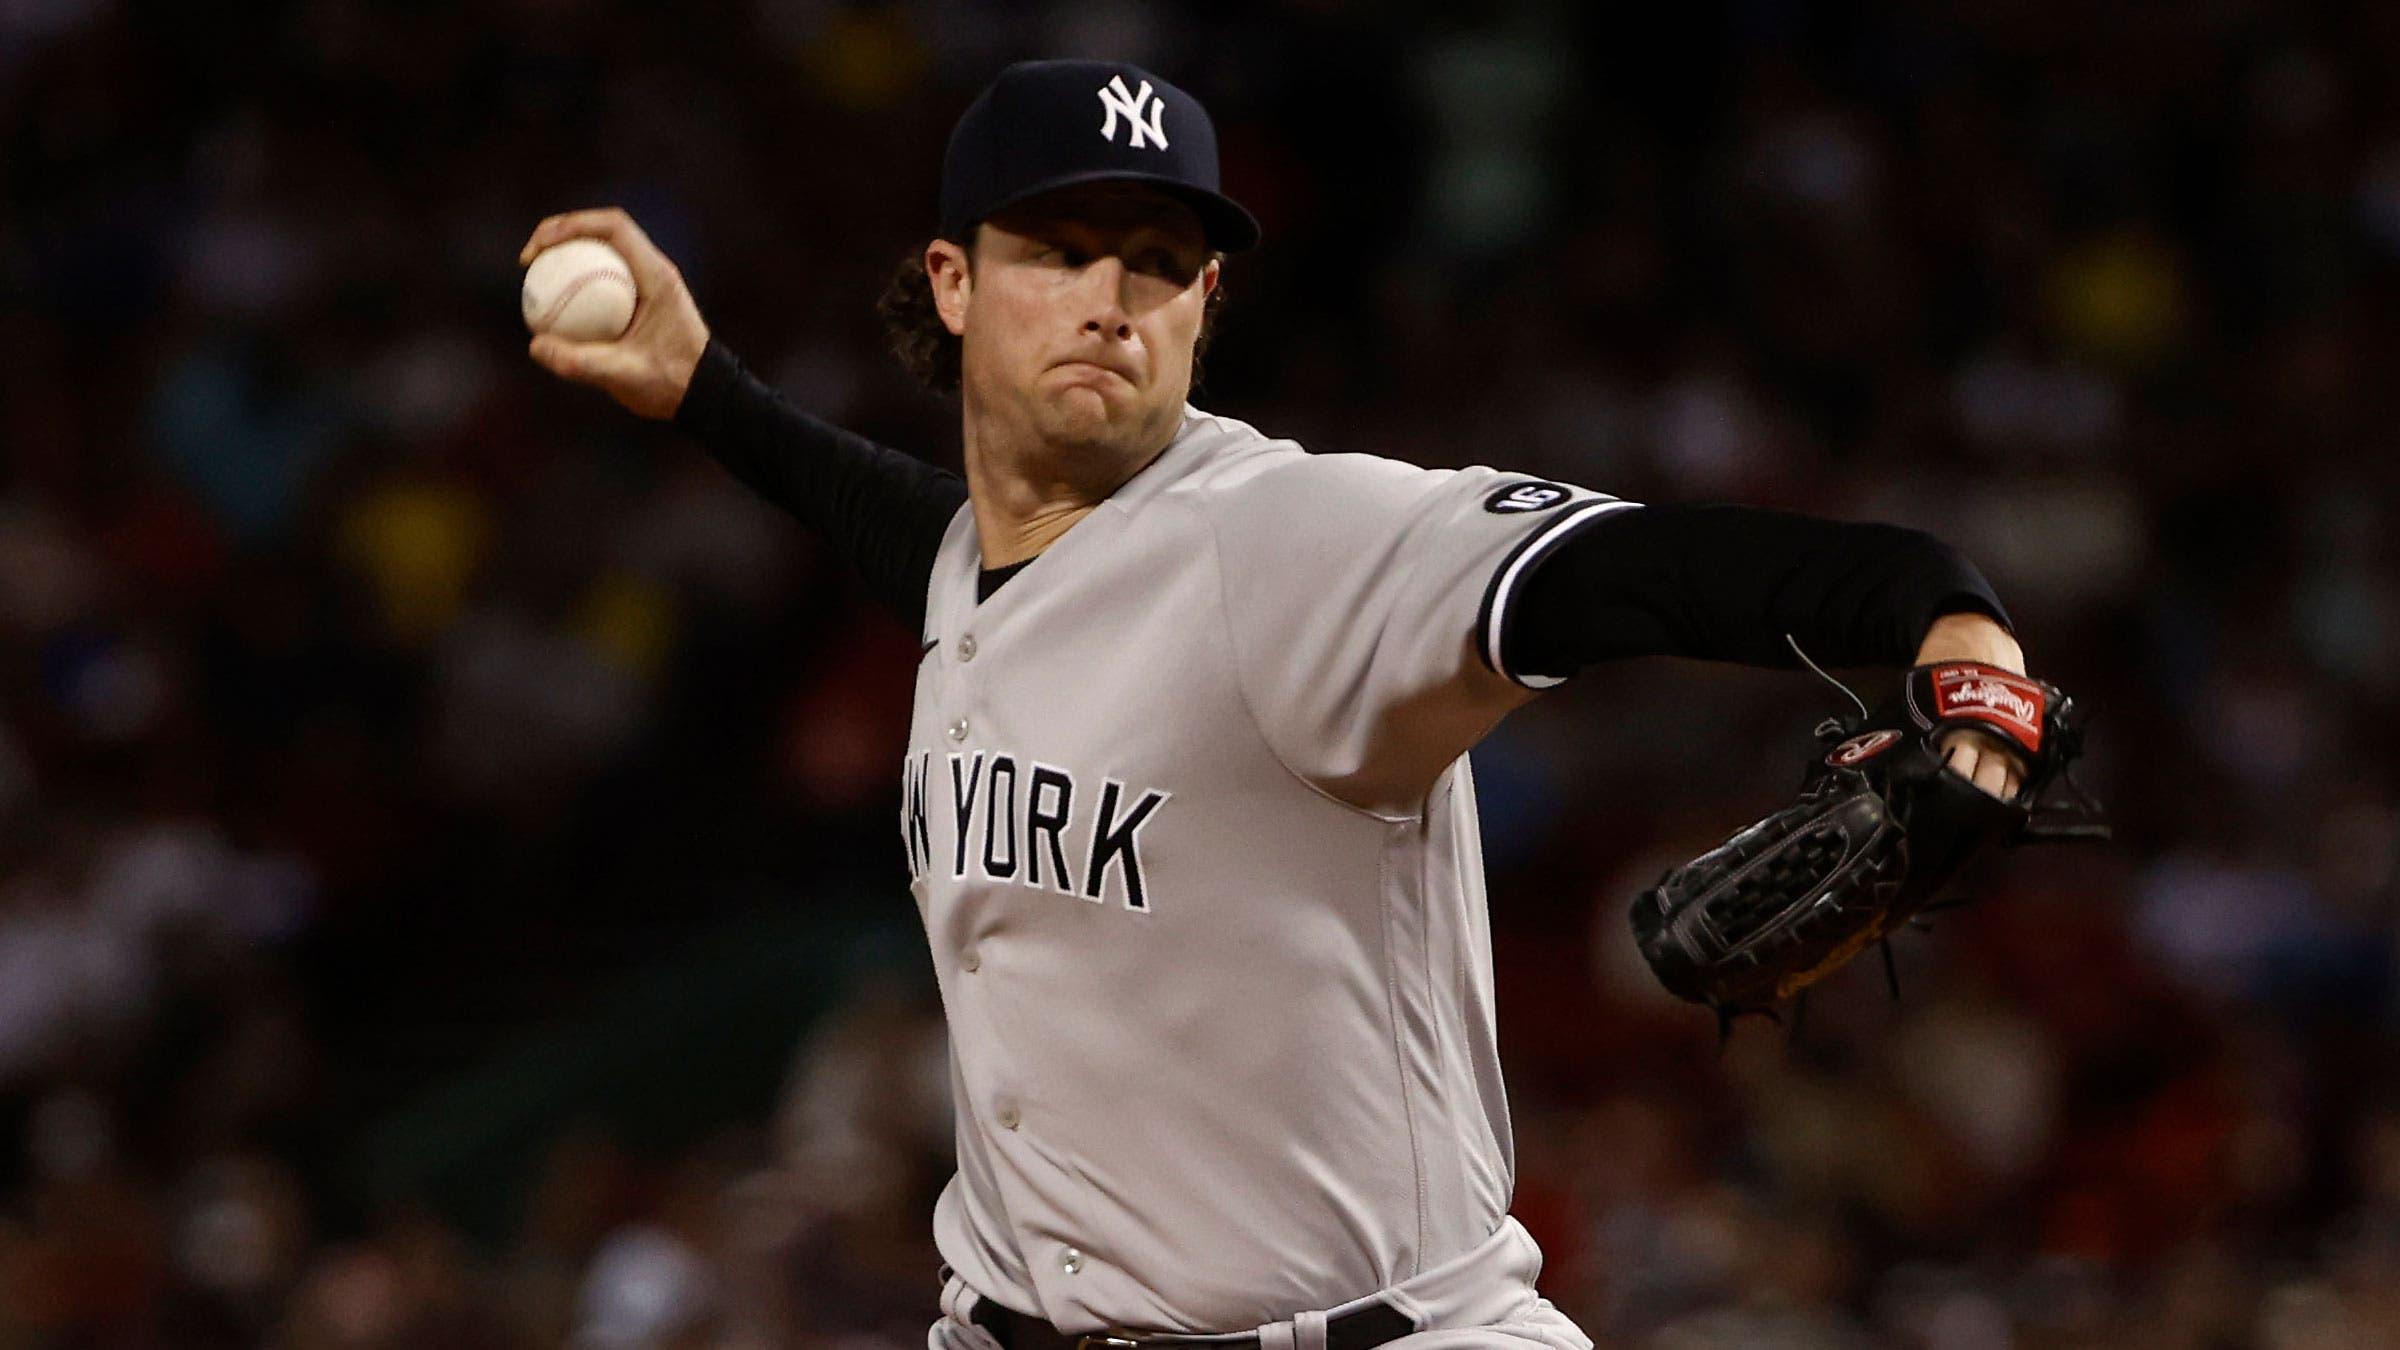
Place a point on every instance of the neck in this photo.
(1027, 492)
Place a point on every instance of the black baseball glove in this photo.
(1880, 826)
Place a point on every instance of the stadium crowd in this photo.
(386, 727)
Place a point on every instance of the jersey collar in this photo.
(1183, 453)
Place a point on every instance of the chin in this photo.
(1084, 418)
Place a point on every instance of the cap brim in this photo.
(1228, 227)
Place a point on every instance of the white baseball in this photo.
(581, 290)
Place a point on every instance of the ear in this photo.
(1208, 275)
(953, 284)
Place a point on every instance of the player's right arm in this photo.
(882, 510)
(649, 366)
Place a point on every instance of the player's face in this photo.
(1080, 314)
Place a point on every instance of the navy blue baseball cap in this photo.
(1050, 124)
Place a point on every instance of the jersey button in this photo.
(1071, 1262)
(966, 647)
(970, 960)
(1006, 1115)
(958, 730)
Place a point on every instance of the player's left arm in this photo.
(1728, 583)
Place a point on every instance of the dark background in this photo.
(449, 890)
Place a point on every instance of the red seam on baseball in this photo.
(574, 285)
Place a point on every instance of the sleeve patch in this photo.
(1526, 496)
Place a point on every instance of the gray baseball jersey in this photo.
(1189, 819)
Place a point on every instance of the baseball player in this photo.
(1187, 809)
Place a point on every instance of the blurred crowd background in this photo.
(449, 892)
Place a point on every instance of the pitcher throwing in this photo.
(1187, 808)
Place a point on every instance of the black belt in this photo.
(1357, 1329)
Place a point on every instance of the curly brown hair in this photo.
(929, 351)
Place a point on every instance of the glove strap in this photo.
(1971, 691)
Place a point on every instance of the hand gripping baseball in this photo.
(1880, 826)
(649, 366)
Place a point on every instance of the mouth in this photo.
(1087, 367)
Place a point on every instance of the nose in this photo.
(1105, 313)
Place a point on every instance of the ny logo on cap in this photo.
(1115, 99)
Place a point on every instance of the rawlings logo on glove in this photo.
(1859, 749)
(2010, 703)
(1880, 826)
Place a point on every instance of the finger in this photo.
(591, 223)
(1961, 758)
(544, 235)
(1991, 774)
(652, 272)
(583, 362)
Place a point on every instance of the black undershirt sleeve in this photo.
(1725, 583)
(883, 511)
